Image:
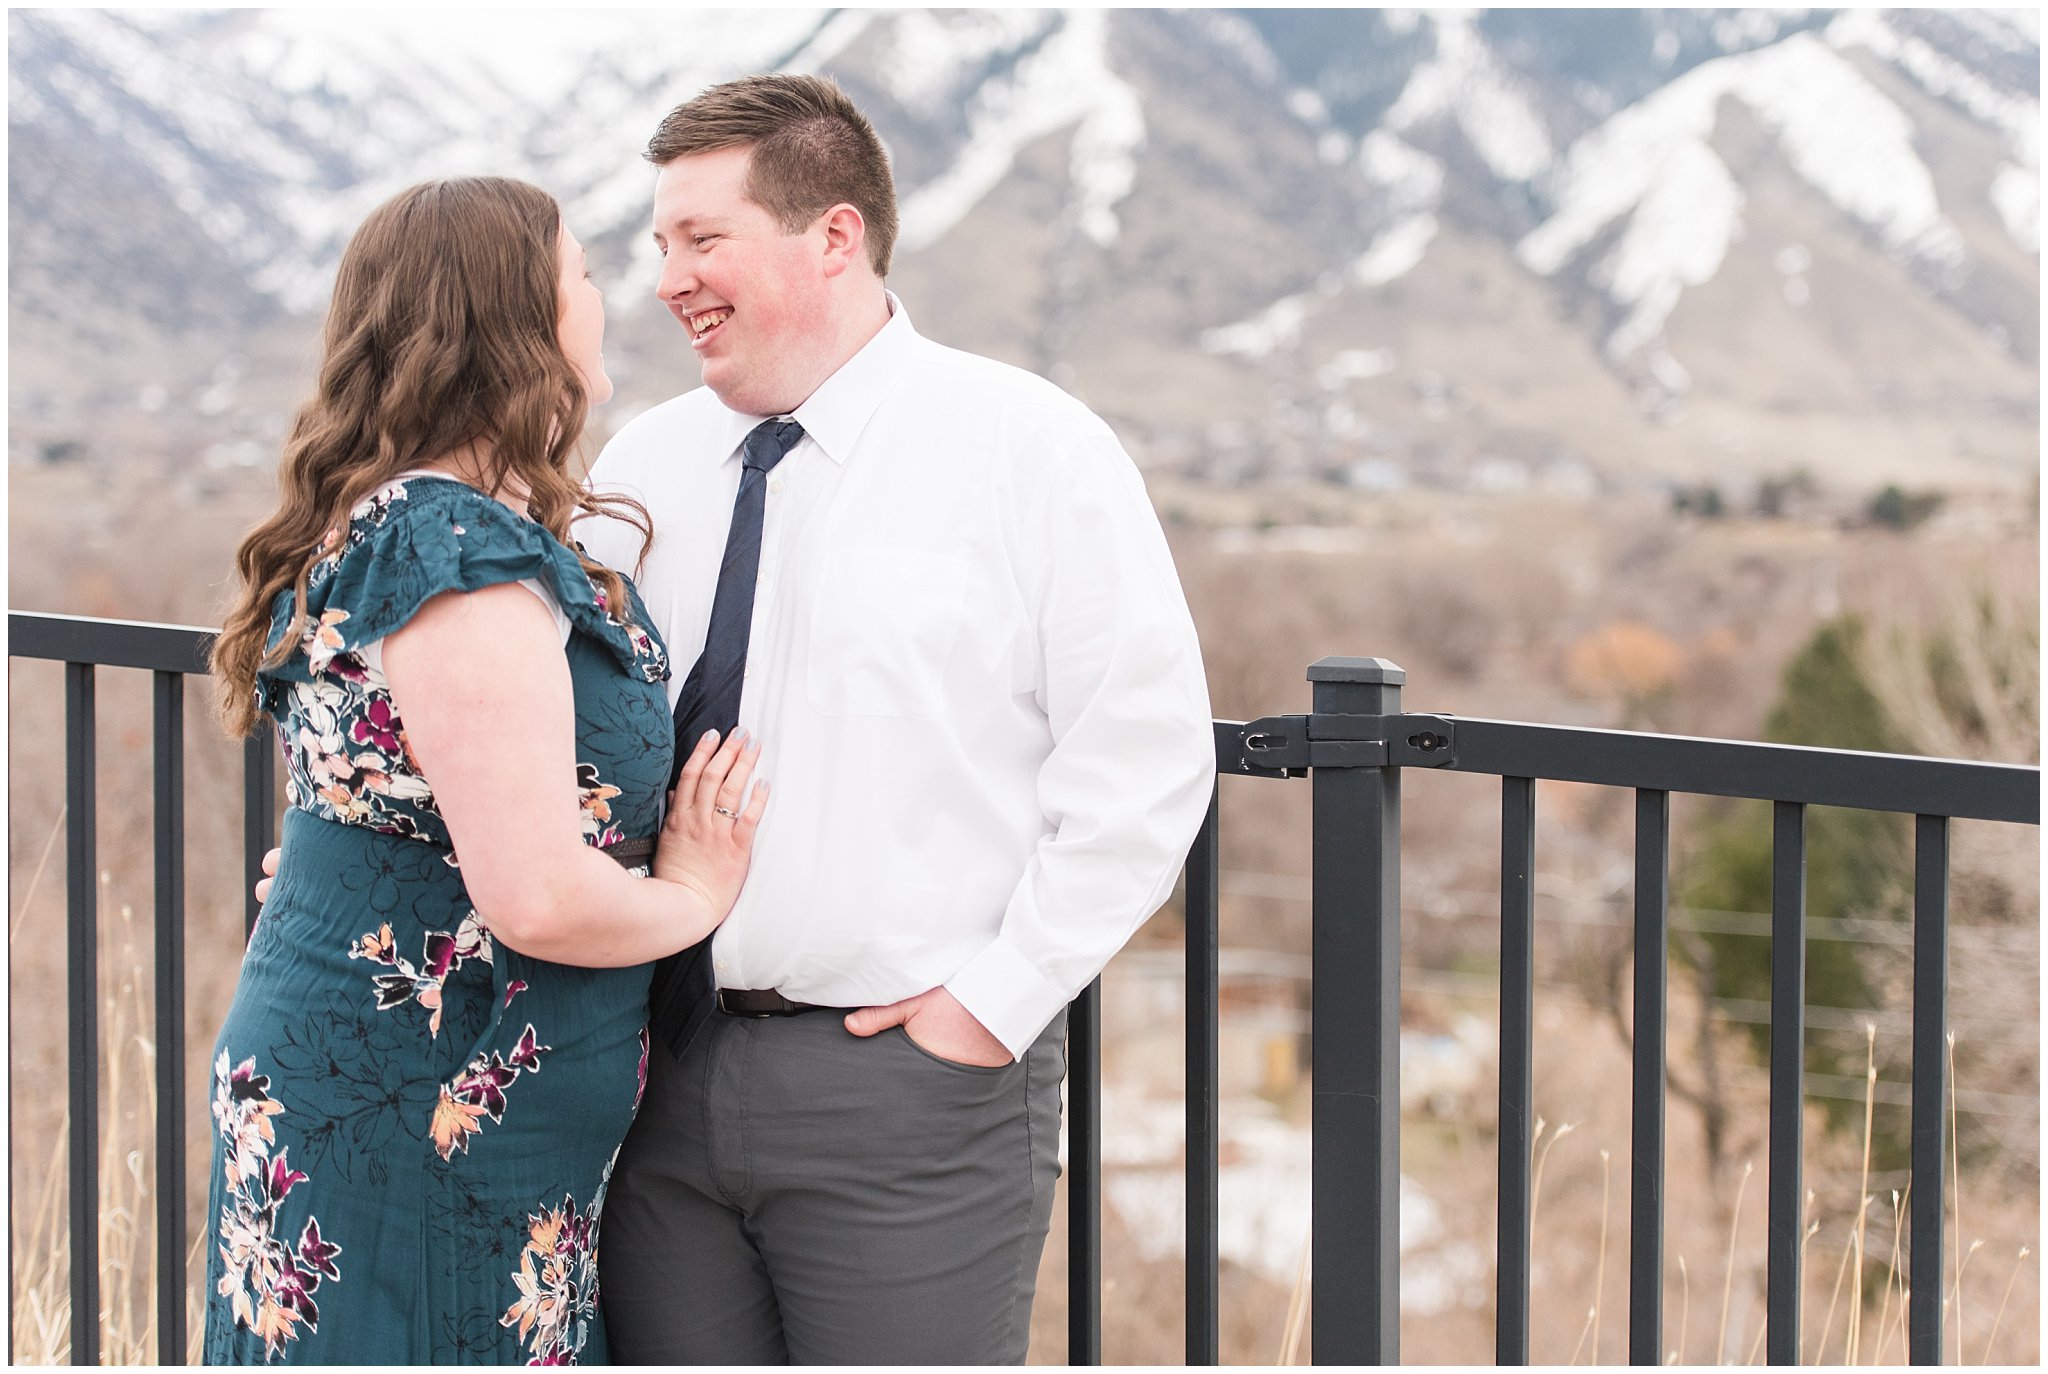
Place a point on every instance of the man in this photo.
(983, 712)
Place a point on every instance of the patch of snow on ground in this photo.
(2016, 195)
(1678, 237)
(1394, 252)
(1235, 38)
(935, 48)
(1104, 159)
(1464, 80)
(2009, 30)
(1354, 365)
(1276, 327)
(1745, 28)
(1652, 161)
(1066, 81)
(1411, 178)
(1263, 1198)
(1306, 106)
(833, 37)
(1611, 169)
(1850, 142)
(1942, 76)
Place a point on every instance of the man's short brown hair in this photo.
(812, 150)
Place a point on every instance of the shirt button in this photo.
(718, 964)
(775, 487)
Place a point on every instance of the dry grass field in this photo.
(1621, 612)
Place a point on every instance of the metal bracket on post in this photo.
(1289, 746)
(1269, 747)
(1419, 741)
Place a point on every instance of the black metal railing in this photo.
(1353, 746)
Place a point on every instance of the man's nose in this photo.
(677, 281)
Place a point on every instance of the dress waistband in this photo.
(631, 853)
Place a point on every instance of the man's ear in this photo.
(846, 237)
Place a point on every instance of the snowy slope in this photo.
(1206, 210)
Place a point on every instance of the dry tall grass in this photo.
(1855, 1274)
(41, 1232)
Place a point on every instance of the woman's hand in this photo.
(707, 838)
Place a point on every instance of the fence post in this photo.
(1355, 1033)
(82, 996)
(1084, 1177)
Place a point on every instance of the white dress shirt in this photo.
(977, 686)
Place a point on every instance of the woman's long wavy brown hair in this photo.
(442, 339)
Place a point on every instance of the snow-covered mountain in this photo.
(1499, 247)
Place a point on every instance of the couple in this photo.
(922, 592)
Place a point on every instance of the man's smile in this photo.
(704, 322)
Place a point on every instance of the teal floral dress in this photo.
(414, 1123)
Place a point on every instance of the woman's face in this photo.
(582, 327)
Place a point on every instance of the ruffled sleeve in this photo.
(419, 538)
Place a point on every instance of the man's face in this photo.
(754, 298)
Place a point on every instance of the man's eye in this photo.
(701, 239)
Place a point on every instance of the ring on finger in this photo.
(726, 811)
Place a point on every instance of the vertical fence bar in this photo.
(1355, 1133)
(1646, 1148)
(1517, 1068)
(1930, 1082)
(82, 879)
(1788, 1080)
(170, 1017)
(259, 817)
(1204, 1343)
(1084, 1177)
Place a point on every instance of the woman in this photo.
(428, 1066)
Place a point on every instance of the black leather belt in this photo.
(761, 1002)
(631, 853)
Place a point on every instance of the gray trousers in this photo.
(791, 1193)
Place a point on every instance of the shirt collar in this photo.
(841, 407)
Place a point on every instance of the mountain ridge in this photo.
(1214, 226)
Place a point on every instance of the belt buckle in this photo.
(734, 1008)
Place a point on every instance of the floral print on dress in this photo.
(369, 513)
(596, 797)
(443, 954)
(643, 643)
(322, 640)
(345, 748)
(346, 755)
(479, 1092)
(557, 1282)
(268, 1281)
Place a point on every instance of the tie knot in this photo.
(769, 443)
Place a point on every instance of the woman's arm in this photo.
(481, 684)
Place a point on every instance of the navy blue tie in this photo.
(684, 989)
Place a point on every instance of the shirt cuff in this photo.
(1009, 996)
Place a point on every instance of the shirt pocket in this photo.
(882, 631)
